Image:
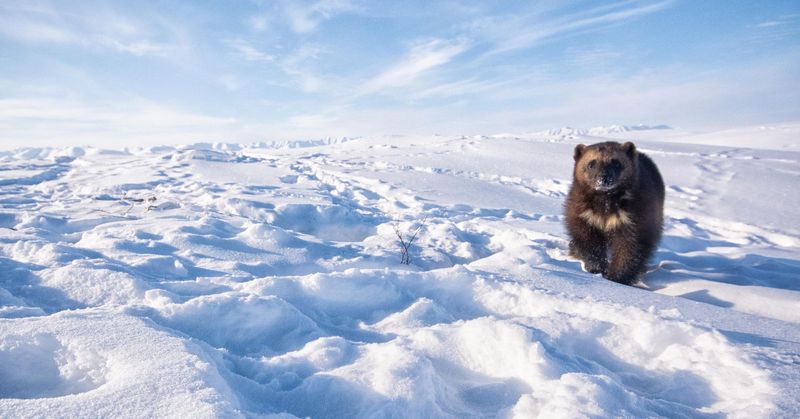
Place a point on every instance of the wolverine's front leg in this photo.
(589, 245)
(627, 261)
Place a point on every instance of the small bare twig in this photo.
(149, 200)
(407, 240)
(151, 203)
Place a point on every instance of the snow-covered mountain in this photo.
(601, 131)
(614, 129)
(263, 280)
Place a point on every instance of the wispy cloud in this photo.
(297, 65)
(249, 52)
(230, 81)
(259, 23)
(781, 28)
(420, 59)
(502, 34)
(89, 26)
(515, 33)
(594, 56)
(304, 18)
(522, 103)
(780, 21)
(447, 89)
(139, 48)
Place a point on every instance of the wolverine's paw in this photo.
(624, 278)
(593, 267)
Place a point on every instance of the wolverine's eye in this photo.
(592, 164)
(615, 164)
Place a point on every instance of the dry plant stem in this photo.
(406, 242)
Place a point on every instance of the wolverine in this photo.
(614, 210)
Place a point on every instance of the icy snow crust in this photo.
(221, 280)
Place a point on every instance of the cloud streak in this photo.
(505, 35)
(40, 22)
(249, 52)
(514, 34)
(306, 18)
(421, 59)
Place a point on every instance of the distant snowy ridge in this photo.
(778, 136)
(612, 129)
(301, 143)
(60, 152)
(601, 131)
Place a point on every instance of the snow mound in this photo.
(243, 324)
(326, 222)
(521, 351)
(53, 369)
(109, 364)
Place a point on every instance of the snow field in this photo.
(221, 280)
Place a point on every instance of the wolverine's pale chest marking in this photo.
(606, 222)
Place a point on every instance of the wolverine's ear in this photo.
(579, 149)
(629, 148)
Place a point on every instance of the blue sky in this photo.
(134, 72)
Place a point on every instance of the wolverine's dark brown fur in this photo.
(614, 210)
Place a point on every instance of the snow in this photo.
(263, 280)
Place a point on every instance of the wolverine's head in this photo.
(605, 167)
